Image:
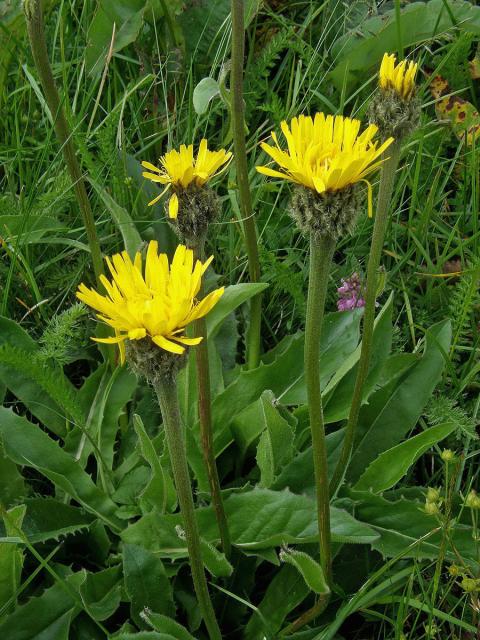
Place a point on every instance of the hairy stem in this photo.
(321, 253)
(387, 179)
(245, 196)
(36, 34)
(205, 419)
(167, 396)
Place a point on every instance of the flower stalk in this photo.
(245, 196)
(387, 179)
(321, 253)
(36, 34)
(166, 391)
(205, 420)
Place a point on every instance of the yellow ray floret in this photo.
(157, 302)
(179, 169)
(325, 153)
(400, 77)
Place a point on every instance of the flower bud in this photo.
(431, 508)
(433, 495)
(448, 455)
(472, 501)
(469, 585)
(395, 109)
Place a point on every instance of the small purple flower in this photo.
(350, 293)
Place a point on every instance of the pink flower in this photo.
(350, 293)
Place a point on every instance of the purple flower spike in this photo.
(350, 293)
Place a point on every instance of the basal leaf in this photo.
(146, 582)
(131, 238)
(404, 406)
(44, 390)
(390, 466)
(309, 569)
(126, 15)
(362, 49)
(102, 592)
(275, 447)
(405, 529)
(160, 491)
(49, 519)
(11, 555)
(161, 623)
(234, 296)
(203, 93)
(26, 444)
(44, 617)
(285, 592)
(338, 393)
(257, 519)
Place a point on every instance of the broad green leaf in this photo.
(247, 427)
(161, 623)
(309, 569)
(257, 519)
(233, 297)
(119, 392)
(203, 22)
(205, 91)
(102, 592)
(27, 229)
(146, 582)
(362, 49)
(215, 561)
(107, 394)
(49, 519)
(43, 389)
(299, 475)
(44, 617)
(160, 492)
(11, 555)
(126, 15)
(405, 405)
(275, 447)
(283, 375)
(340, 336)
(405, 529)
(390, 466)
(187, 383)
(338, 393)
(284, 593)
(145, 635)
(26, 444)
(131, 238)
(132, 485)
(12, 484)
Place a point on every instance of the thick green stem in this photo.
(245, 196)
(321, 253)
(36, 34)
(167, 396)
(206, 426)
(387, 179)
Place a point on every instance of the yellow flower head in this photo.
(400, 77)
(158, 304)
(179, 169)
(325, 153)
